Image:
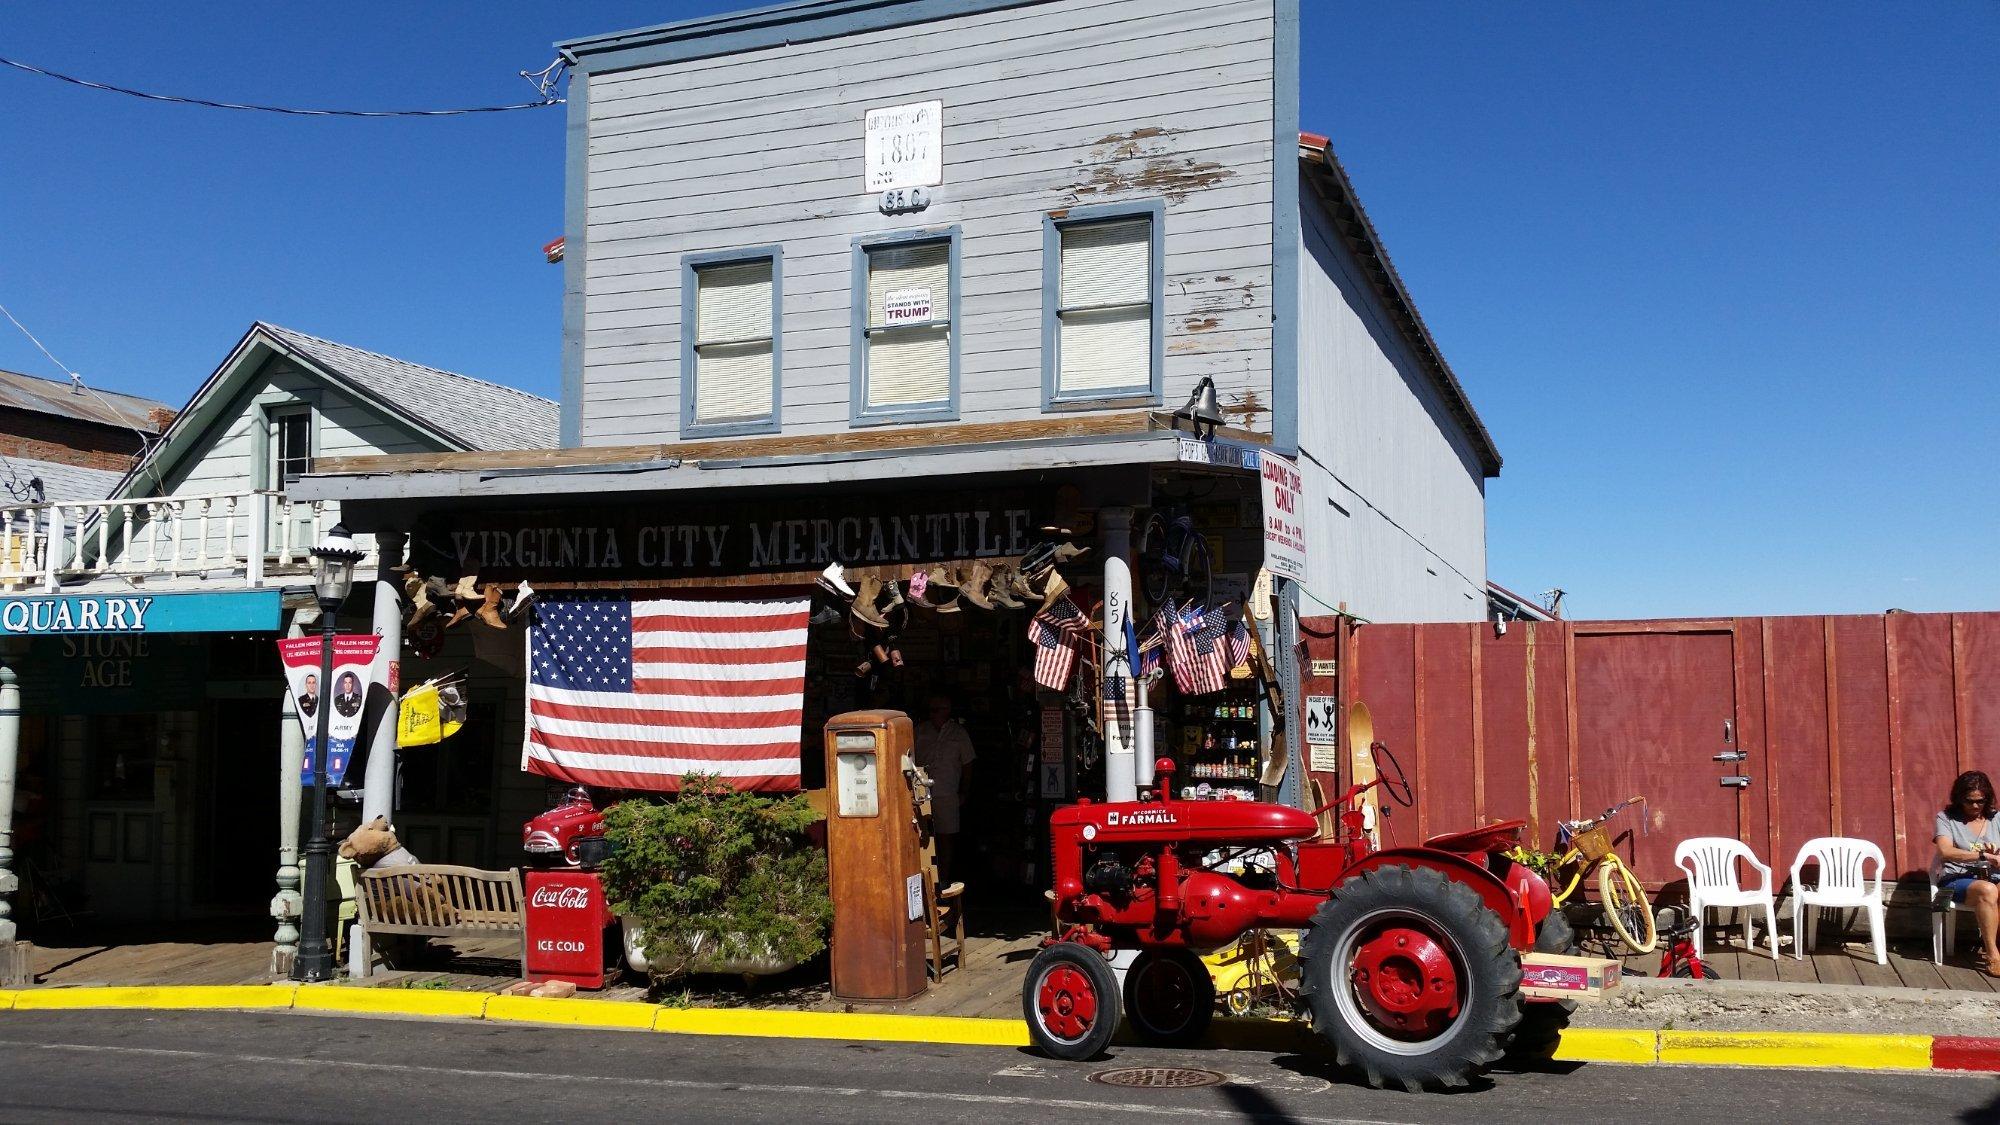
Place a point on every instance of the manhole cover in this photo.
(1160, 1077)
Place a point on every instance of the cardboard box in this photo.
(1557, 976)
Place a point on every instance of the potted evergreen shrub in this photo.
(717, 881)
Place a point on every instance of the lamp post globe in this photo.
(334, 559)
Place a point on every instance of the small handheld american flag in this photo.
(1057, 634)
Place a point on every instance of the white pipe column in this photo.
(287, 904)
(10, 756)
(1120, 738)
(378, 796)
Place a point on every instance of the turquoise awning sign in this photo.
(231, 611)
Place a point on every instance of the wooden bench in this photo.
(434, 900)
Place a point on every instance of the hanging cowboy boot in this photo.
(421, 605)
(977, 577)
(1001, 589)
(489, 612)
(523, 594)
(942, 589)
(1066, 551)
(468, 588)
(1056, 588)
(865, 598)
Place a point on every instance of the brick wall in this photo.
(66, 441)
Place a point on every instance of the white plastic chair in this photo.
(1944, 918)
(1710, 863)
(1843, 884)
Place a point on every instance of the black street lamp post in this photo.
(333, 577)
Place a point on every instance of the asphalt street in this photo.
(258, 1067)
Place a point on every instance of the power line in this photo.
(145, 439)
(544, 80)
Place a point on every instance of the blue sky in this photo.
(1723, 280)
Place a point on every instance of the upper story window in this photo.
(1102, 333)
(291, 453)
(729, 352)
(906, 347)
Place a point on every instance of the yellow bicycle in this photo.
(1586, 846)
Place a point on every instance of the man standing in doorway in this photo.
(944, 751)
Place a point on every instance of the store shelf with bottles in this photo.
(1220, 748)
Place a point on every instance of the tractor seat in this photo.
(1499, 834)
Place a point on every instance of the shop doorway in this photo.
(123, 867)
(980, 660)
(235, 861)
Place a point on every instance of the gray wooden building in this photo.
(976, 231)
(842, 269)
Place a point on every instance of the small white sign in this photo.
(1284, 518)
(906, 306)
(903, 146)
(913, 890)
(1322, 737)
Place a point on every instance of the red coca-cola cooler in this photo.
(569, 928)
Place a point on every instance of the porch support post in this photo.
(1291, 788)
(1120, 740)
(378, 796)
(287, 905)
(10, 753)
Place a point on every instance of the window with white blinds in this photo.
(734, 350)
(908, 331)
(1104, 307)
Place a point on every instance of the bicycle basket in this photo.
(1592, 843)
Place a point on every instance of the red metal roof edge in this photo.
(1316, 153)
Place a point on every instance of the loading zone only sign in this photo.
(1284, 517)
(903, 146)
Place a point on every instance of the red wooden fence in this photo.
(1852, 726)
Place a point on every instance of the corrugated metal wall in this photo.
(1853, 725)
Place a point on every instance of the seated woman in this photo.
(1967, 834)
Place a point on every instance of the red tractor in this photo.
(1411, 961)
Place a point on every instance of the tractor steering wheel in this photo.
(1397, 787)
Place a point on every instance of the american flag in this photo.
(1239, 650)
(1196, 650)
(1057, 634)
(633, 694)
(1153, 650)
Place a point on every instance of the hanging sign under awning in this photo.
(234, 611)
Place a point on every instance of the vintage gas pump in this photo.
(874, 859)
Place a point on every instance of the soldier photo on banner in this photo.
(352, 656)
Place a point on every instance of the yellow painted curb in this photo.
(1781, 1048)
(880, 1027)
(165, 997)
(577, 1013)
(6, 998)
(391, 1001)
(1596, 1044)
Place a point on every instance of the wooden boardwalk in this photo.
(988, 986)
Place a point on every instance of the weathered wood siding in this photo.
(1045, 106)
(1402, 533)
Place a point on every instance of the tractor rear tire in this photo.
(1169, 998)
(1440, 961)
(1070, 1001)
(1542, 1021)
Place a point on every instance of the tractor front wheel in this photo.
(1070, 1001)
(1411, 978)
(1169, 997)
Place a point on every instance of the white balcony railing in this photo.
(226, 537)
